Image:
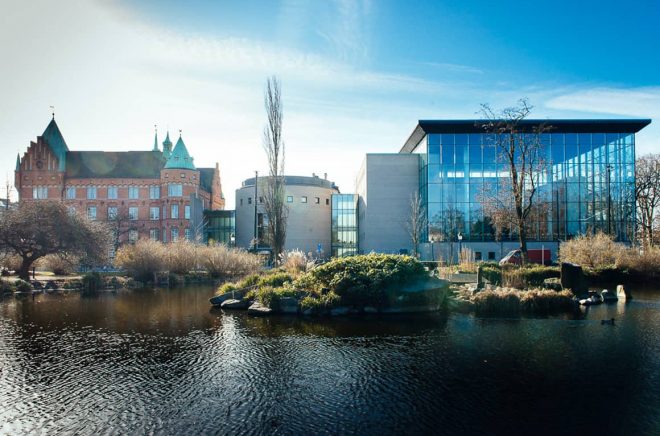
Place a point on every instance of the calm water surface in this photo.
(161, 361)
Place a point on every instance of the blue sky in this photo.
(356, 75)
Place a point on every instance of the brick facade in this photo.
(154, 202)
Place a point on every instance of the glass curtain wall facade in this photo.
(344, 224)
(586, 184)
(220, 227)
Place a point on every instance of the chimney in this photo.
(313, 174)
(325, 176)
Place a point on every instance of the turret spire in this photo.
(167, 146)
(155, 138)
(180, 158)
(18, 162)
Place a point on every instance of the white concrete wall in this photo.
(385, 184)
(308, 224)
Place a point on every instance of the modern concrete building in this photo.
(385, 186)
(158, 194)
(308, 202)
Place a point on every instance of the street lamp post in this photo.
(256, 239)
(460, 239)
(609, 200)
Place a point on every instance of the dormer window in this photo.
(183, 176)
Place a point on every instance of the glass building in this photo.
(220, 227)
(344, 224)
(585, 178)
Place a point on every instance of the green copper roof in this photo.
(18, 162)
(55, 141)
(180, 157)
(155, 142)
(167, 146)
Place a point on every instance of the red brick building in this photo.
(158, 194)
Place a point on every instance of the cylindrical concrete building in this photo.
(308, 201)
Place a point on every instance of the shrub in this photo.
(646, 260)
(142, 259)
(22, 286)
(270, 296)
(296, 261)
(181, 256)
(492, 273)
(5, 287)
(591, 251)
(11, 262)
(92, 281)
(513, 302)
(220, 261)
(58, 265)
(275, 280)
(362, 279)
(225, 288)
(319, 303)
(466, 261)
(529, 275)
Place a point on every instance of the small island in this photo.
(372, 283)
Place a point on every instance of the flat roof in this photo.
(297, 180)
(557, 126)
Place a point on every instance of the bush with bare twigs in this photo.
(142, 259)
(591, 251)
(59, 265)
(182, 256)
(220, 261)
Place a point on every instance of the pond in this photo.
(163, 361)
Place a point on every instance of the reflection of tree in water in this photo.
(339, 327)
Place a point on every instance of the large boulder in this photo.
(573, 278)
(288, 305)
(234, 304)
(258, 309)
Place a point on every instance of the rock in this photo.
(336, 311)
(370, 309)
(258, 309)
(217, 300)
(622, 293)
(234, 304)
(288, 305)
(572, 278)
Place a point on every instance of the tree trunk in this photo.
(523, 243)
(24, 270)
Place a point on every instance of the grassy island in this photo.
(374, 282)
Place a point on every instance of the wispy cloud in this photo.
(640, 102)
(637, 102)
(453, 67)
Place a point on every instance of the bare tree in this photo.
(519, 147)
(274, 204)
(119, 224)
(417, 221)
(647, 195)
(8, 189)
(38, 228)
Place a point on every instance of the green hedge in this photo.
(527, 276)
(363, 279)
